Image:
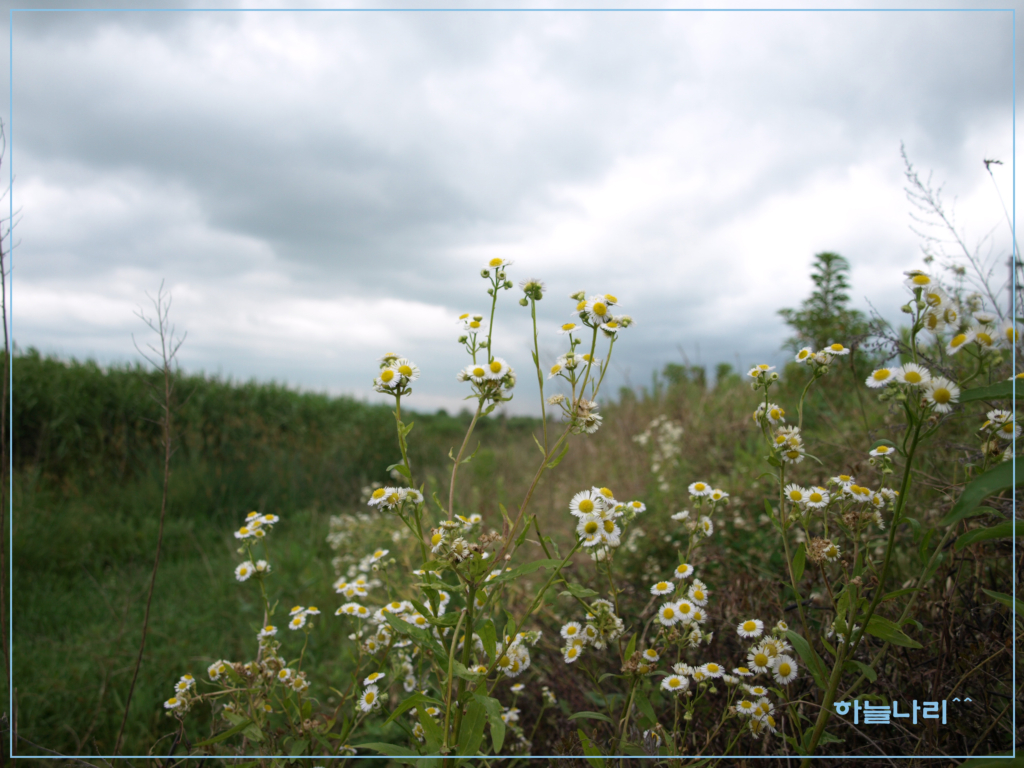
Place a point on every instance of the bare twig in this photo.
(164, 362)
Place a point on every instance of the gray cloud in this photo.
(305, 163)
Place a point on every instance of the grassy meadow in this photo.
(87, 489)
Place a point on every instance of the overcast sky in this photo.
(319, 188)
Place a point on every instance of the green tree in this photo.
(826, 316)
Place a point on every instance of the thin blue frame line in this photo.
(1013, 318)
(512, 10)
(10, 172)
(10, 363)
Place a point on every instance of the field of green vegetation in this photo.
(87, 483)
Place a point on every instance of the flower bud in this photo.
(524, 302)
(906, 309)
(485, 273)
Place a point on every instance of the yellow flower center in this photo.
(795, 495)
(698, 594)
(609, 526)
(984, 338)
(435, 539)
(912, 377)
(760, 659)
(958, 340)
(479, 372)
(405, 370)
(920, 280)
(590, 528)
(504, 661)
(662, 585)
(570, 631)
(494, 263)
(387, 374)
(495, 366)
(586, 506)
(568, 326)
(836, 347)
(600, 309)
(749, 626)
(668, 613)
(370, 696)
(684, 608)
(784, 669)
(474, 324)
(674, 682)
(803, 354)
(581, 306)
(816, 497)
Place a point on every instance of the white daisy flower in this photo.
(795, 494)
(718, 495)
(683, 570)
(941, 393)
(750, 628)
(571, 653)
(663, 588)
(817, 497)
(758, 659)
(569, 328)
(784, 670)
(880, 377)
(681, 515)
(388, 380)
(917, 279)
(651, 655)
(913, 374)
(837, 350)
(674, 683)
(475, 372)
(373, 677)
(244, 571)
(883, 450)
(805, 355)
(407, 369)
(985, 336)
(958, 342)
(369, 699)
(586, 503)
(668, 614)
(598, 310)
(698, 592)
(745, 707)
(706, 526)
(571, 629)
(699, 489)
(497, 369)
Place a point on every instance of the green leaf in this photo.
(810, 658)
(593, 754)
(252, 731)
(459, 670)
(539, 446)
(493, 709)
(225, 734)
(576, 590)
(471, 732)
(631, 647)
(1004, 530)
(1000, 391)
(424, 639)
(558, 460)
(900, 593)
(1008, 601)
(402, 469)
(390, 750)
(828, 738)
(999, 478)
(522, 535)
(412, 701)
(889, 631)
(591, 716)
(431, 730)
(769, 509)
(798, 563)
(644, 705)
(863, 668)
(489, 636)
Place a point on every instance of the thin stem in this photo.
(458, 459)
(540, 375)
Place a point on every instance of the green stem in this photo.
(785, 546)
(458, 459)
(850, 642)
(451, 666)
(540, 375)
